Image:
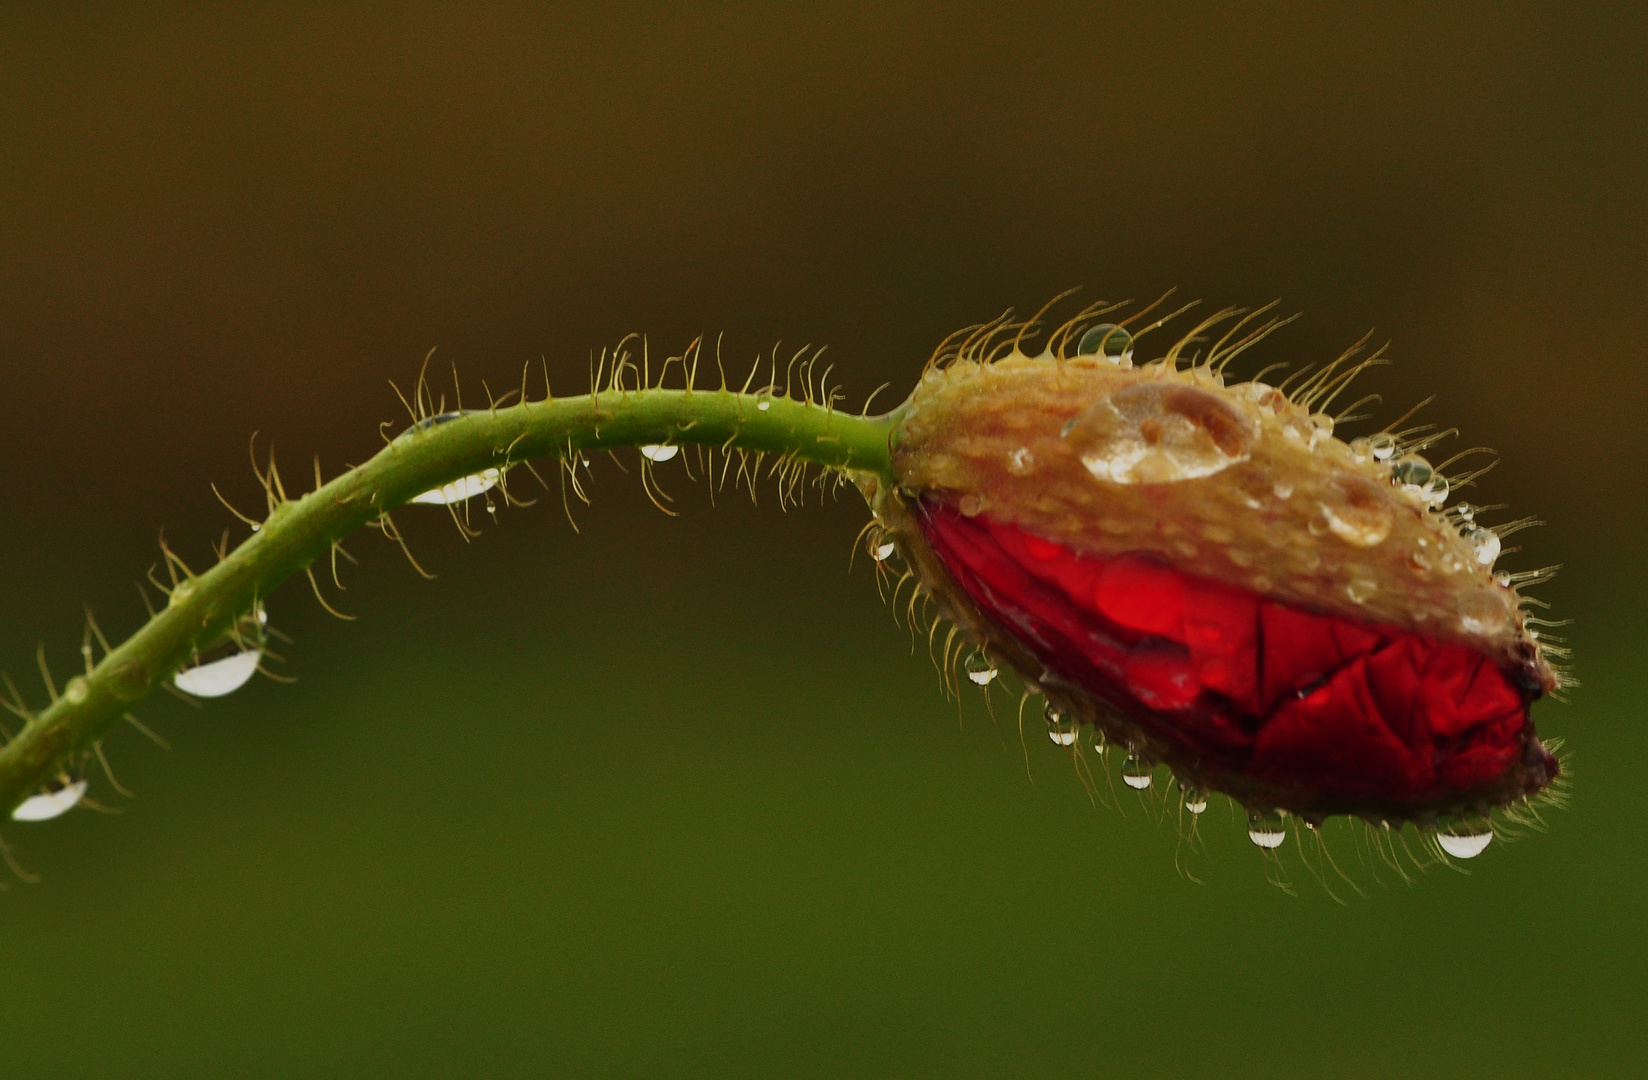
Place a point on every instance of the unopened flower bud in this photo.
(1216, 582)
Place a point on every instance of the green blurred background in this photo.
(672, 796)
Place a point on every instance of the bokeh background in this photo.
(674, 796)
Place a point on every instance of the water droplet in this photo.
(1021, 461)
(1465, 512)
(980, 669)
(1137, 773)
(1060, 728)
(1361, 590)
(1108, 340)
(1159, 432)
(216, 677)
(1483, 612)
(1465, 840)
(1359, 516)
(763, 405)
(655, 452)
(1195, 801)
(1484, 544)
(1362, 448)
(465, 487)
(972, 504)
(77, 690)
(1323, 423)
(1267, 830)
(1411, 474)
(1382, 446)
(55, 800)
(880, 551)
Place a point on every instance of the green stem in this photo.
(298, 532)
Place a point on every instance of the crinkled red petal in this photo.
(1323, 705)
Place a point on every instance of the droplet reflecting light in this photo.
(465, 487)
(50, 803)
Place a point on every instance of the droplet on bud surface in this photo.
(1266, 830)
(1484, 544)
(1136, 773)
(218, 677)
(1411, 473)
(1382, 446)
(1359, 515)
(1160, 432)
(52, 802)
(465, 487)
(1107, 340)
(980, 669)
(1060, 728)
(763, 405)
(656, 452)
(1465, 841)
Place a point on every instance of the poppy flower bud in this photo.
(1212, 579)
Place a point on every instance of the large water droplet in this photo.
(656, 452)
(1137, 773)
(1412, 473)
(1484, 544)
(1060, 728)
(1359, 515)
(763, 405)
(1195, 801)
(980, 669)
(881, 550)
(1267, 830)
(1108, 340)
(56, 799)
(1382, 446)
(465, 487)
(1159, 432)
(216, 677)
(1436, 491)
(1466, 840)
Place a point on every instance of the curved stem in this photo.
(201, 609)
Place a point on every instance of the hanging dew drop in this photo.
(655, 452)
(218, 677)
(1484, 544)
(1059, 728)
(882, 551)
(763, 405)
(1107, 340)
(1465, 841)
(465, 487)
(54, 801)
(1195, 801)
(1137, 773)
(980, 670)
(1266, 830)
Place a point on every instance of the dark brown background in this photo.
(671, 796)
